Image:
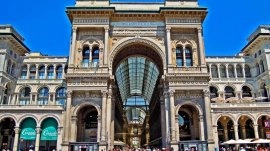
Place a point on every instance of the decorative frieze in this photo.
(183, 21)
(91, 21)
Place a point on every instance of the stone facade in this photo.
(78, 103)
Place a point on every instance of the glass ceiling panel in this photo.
(136, 76)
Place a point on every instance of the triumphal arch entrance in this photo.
(137, 77)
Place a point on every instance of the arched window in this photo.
(32, 72)
(179, 56)
(213, 92)
(61, 96)
(86, 55)
(262, 66)
(50, 71)
(239, 71)
(247, 71)
(25, 96)
(258, 71)
(24, 72)
(231, 71)
(6, 95)
(246, 92)
(188, 53)
(222, 70)
(13, 67)
(59, 72)
(264, 92)
(9, 66)
(41, 72)
(95, 56)
(229, 92)
(43, 96)
(214, 71)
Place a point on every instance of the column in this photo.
(99, 128)
(36, 76)
(45, 74)
(16, 139)
(202, 137)
(235, 127)
(210, 71)
(256, 131)
(53, 98)
(184, 56)
(67, 119)
(225, 130)
(28, 71)
(167, 125)
(38, 130)
(201, 45)
(54, 71)
(172, 115)
(218, 65)
(103, 117)
(106, 45)
(243, 130)
(2, 89)
(235, 72)
(227, 71)
(177, 135)
(90, 56)
(207, 115)
(168, 34)
(243, 70)
(73, 127)
(59, 138)
(63, 71)
(109, 111)
(163, 121)
(73, 45)
(215, 132)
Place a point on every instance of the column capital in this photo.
(74, 28)
(199, 29)
(17, 130)
(106, 28)
(166, 94)
(104, 93)
(69, 94)
(206, 92)
(171, 92)
(168, 29)
(38, 130)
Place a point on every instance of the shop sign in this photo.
(49, 133)
(28, 134)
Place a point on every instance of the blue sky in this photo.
(46, 28)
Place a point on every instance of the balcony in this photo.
(36, 81)
(29, 108)
(187, 70)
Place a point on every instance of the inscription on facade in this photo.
(137, 24)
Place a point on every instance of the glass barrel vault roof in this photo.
(136, 78)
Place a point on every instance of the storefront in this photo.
(48, 137)
(27, 134)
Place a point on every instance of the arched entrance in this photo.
(87, 129)
(137, 68)
(27, 134)
(7, 133)
(190, 129)
(49, 134)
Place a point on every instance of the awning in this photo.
(49, 130)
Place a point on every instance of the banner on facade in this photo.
(49, 133)
(267, 124)
(28, 134)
